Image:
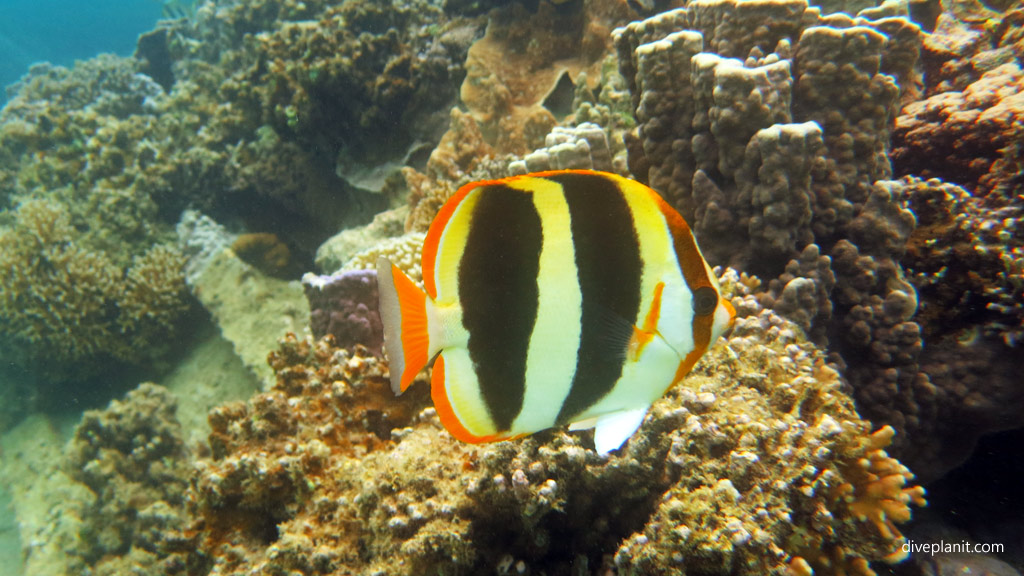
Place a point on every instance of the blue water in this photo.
(62, 31)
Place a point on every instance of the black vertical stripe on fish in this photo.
(499, 295)
(609, 269)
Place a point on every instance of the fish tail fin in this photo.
(403, 312)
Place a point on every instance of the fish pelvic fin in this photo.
(612, 430)
(403, 313)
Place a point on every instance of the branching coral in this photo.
(876, 489)
(69, 309)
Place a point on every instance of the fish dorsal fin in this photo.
(614, 429)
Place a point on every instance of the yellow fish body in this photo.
(565, 297)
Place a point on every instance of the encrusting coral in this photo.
(515, 71)
(757, 462)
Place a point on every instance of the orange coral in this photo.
(876, 489)
(835, 560)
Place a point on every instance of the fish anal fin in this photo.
(614, 429)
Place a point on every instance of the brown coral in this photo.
(133, 458)
(524, 57)
(973, 131)
(263, 251)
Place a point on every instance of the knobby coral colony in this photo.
(767, 124)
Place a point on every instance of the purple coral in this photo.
(344, 305)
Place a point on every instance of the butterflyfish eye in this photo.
(705, 299)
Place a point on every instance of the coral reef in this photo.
(47, 505)
(254, 123)
(761, 137)
(581, 147)
(327, 77)
(112, 501)
(134, 460)
(344, 305)
(68, 309)
(770, 124)
(403, 251)
(756, 462)
(461, 157)
(531, 82)
(340, 248)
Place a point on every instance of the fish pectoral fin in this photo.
(616, 336)
(614, 429)
(637, 343)
(584, 424)
(642, 336)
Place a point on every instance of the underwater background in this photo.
(191, 364)
(60, 32)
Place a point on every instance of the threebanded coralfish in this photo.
(565, 297)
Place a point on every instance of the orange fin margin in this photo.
(447, 414)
